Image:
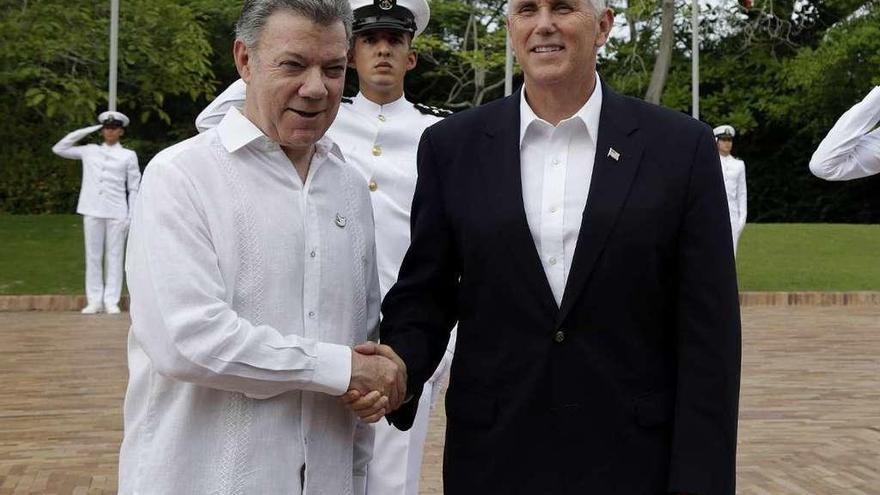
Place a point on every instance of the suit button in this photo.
(559, 337)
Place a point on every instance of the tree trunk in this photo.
(664, 54)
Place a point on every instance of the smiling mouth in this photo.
(306, 115)
(547, 49)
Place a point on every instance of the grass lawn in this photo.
(809, 257)
(43, 254)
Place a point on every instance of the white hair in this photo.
(598, 5)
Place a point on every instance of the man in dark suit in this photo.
(581, 241)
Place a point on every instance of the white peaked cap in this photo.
(112, 115)
(724, 131)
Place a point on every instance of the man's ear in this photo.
(243, 57)
(351, 56)
(606, 22)
(412, 59)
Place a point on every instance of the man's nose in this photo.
(546, 23)
(383, 48)
(313, 86)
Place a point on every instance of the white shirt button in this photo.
(555, 162)
(553, 261)
(313, 254)
(312, 315)
(554, 209)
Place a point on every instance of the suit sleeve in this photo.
(743, 198)
(420, 309)
(132, 182)
(703, 457)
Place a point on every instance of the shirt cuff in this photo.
(333, 373)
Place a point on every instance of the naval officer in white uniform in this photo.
(851, 149)
(734, 171)
(379, 131)
(111, 177)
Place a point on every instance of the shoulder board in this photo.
(348, 100)
(429, 110)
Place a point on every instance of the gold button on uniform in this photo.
(377, 150)
(559, 337)
(382, 118)
(373, 185)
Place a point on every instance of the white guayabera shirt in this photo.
(248, 288)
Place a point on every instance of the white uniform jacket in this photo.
(248, 288)
(735, 184)
(851, 149)
(108, 173)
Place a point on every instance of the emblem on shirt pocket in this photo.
(341, 221)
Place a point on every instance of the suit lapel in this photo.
(609, 188)
(500, 166)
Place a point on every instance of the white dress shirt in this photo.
(248, 288)
(734, 172)
(108, 172)
(851, 149)
(556, 165)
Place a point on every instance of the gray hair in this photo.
(598, 5)
(255, 14)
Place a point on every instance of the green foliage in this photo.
(461, 54)
(53, 71)
(781, 73)
(782, 78)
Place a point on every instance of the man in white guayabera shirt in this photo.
(252, 273)
(111, 177)
(378, 131)
(851, 150)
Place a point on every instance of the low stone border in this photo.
(75, 303)
(48, 303)
(809, 298)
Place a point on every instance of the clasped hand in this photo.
(378, 382)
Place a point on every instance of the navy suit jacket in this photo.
(629, 387)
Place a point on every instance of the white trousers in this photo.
(105, 243)
(736, 230)
(396, 466)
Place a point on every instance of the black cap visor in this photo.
(371, 18)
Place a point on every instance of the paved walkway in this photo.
(810, 415)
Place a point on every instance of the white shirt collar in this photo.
(236, 131)
(588, 114)
(370, 107)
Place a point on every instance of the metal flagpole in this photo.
(695, 61)
(114, 51)
(508, 69)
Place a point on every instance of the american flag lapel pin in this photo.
(614, 154)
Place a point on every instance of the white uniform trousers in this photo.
(737, 230)
(101, 233)
(397, 455)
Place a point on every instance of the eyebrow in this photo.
(299, 58)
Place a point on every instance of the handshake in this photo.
(378, 382)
